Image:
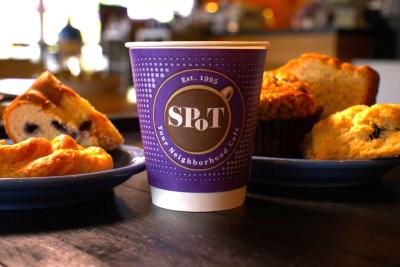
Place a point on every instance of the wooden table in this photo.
(276, 227)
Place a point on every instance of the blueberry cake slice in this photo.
(50, 108)
(336, 85)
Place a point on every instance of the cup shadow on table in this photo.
(101, 211)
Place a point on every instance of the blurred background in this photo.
(82, 42)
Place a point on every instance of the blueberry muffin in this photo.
(287, 111)
(358, 132)
(50, 108)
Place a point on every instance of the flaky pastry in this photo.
(60, 156)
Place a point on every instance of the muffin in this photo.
(336, 85)
(287, 111)
(358, 132)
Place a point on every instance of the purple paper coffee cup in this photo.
(197, 105)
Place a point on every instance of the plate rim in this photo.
(304, 173)
(307, 163)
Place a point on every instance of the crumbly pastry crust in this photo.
(49, 99)
(359, 132)
(40, 157)
(284, 97)
(336, 85)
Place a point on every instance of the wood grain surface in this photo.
(275, 227)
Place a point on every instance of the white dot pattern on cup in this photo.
(150, 72)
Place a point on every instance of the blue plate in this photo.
(43, 192)
(319, 173)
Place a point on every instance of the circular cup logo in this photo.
(198, 118)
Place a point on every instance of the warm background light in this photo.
(269, 16)
(211, 7)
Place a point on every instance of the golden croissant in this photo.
(60, 156)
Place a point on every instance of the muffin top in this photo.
(284, 97)
(358, 132)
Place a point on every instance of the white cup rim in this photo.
(201, 44)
